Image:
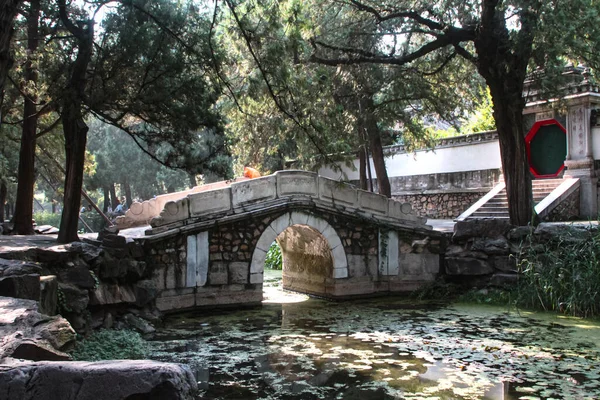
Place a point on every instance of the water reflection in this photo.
(386, 348)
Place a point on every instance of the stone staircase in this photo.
(496, 204)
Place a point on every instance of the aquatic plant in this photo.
(561, 274)
(274, 259)
(111, 344)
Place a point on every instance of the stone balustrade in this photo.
(281, 189)
(141, 213)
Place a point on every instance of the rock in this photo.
(114, 241)
(467, 266)
(109, 230)
(36, 351)
(495, 246)
(145, 292)
(16, 267)
(97, 319)
(79, 322)
(136, 270)
(107, 293)
(108, 321)
(46, 229)
(460, 251)
(77, 274)
(20, 279)
(25, 333)
(125, 379)
(504, 263)
(519, 233)
(93, 242)
(568, 233)
(88, 252)
(138, 324)
(72, 298)
(135, 249)
(21, 286)
(112, 268)
(454, 250)
(48, 295)
(480, 228)
(504, 280)
(55, 255)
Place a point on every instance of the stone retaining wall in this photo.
(567, 210)
(440, 205)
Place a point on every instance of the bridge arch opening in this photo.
(312, 252)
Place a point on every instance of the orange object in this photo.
(251, 173)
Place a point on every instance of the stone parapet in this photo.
(282, 189)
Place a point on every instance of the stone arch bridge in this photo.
(209, 247)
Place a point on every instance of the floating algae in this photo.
(384, 348)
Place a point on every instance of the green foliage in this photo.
(482, 118)
(47, 218)
(274, 258)
(562, 274)
(92, 218)
(115, 151)
(108, 344)
(63, 307)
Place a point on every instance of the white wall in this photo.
(467, 157)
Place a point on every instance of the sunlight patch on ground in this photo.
(273, 292)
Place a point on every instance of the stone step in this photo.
(473, 216)
(491, 214)
(486, 208)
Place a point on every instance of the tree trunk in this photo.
(509, 121)
(8, 11)
(193, 181)
(362, 168)
(502, 61)
(75, 131)
(74, 126)
(106, 191)
(113, 196)
(26, 175)
(374, 136)
(3, 192)
(128, 198)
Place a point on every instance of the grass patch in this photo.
(562, 274)
(110, 344)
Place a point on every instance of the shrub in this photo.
(92, 218)
(47, 218)
(562, 274)
(109, 344)
(274, 259)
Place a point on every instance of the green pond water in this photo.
(296, 347)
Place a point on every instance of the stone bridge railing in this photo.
(141, 213)
(283, 189)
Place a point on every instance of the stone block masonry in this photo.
(210, 247)
(440, 205)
